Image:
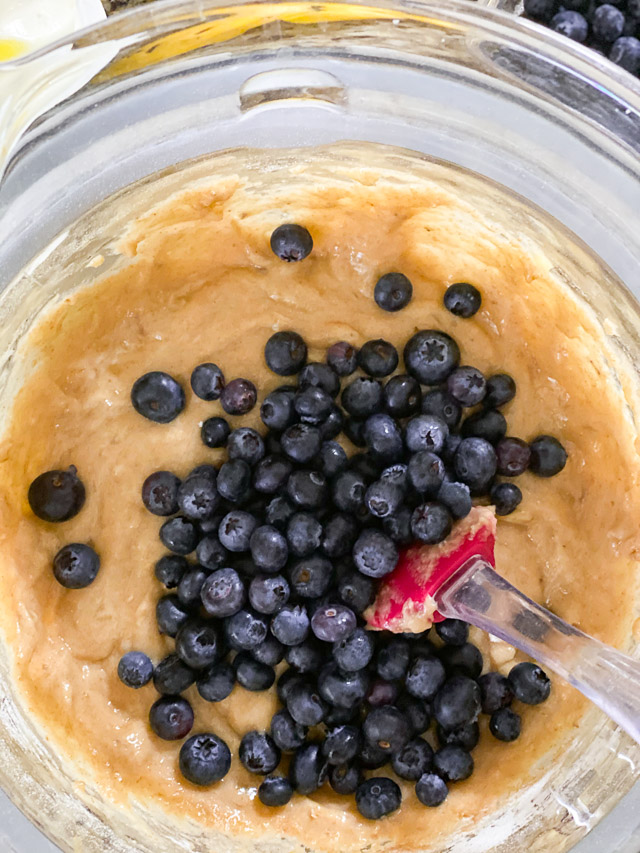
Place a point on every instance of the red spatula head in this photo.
(406, 598)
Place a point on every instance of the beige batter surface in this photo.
(203, 285)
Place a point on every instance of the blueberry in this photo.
(462, 660)
(548, 456)
(305, 705)
(570, 24)
(488, 424)
(372, 757)
(430, 356)
(426, 472)
(383, 437)
(413, 760)
(506, 497)
(431, 522)
(450, 448)
(286, 733)
(269, 549)
(457, 702)
(467, 386)
(268, 594)
(363, 397)
(270, 652)
(495, 691)
(311, 577)
(356, 591)
(285, 684)
(374, 554)
(342, 744)
(275, 791)
(426, 432)
(278, 512)
(402, 396)
(541, 10)
(251, 674)
(291, 625)
(425, 677)
(160, 493)
(247, 444)
(348, 491)
(342, 716)
(207, 381)
(216, 684)
(345, 778)
(158, 397)
(392, 661)
(135, 670)
(170, 569)
(441, 405)
(197, 644)
(306, 658)
(332, 459)
(301, 442)
(529, 683)
(222, 593)
(466, 737)
(190, 586)
(238, 397)
(607, 23)
(57, 495)
(396, 474)
(398, 526)
(285, 353)
(340, 532)
(76, 566)
(234, 480)
(171, 718)
(416, 711)
(387, 728)
(313, 405)
(332, 623)
(453, 632)
(453, 763)
(236, 530)
(501, 389)
(271, 474)
(505, 725)
(258, 753)
(318, 375)
(291, 242)
(456, 497)
(204, 759)
(367, 465)
(383, 498)
(378, 797)
(342, 357)
(431, 790)
(214, 432)
(342, 689)
(625, 52)
(354, 652)
(475, 463)
(245, 630)
(378, 358)
(381, 693)
(170, 615)
(513, 457)
(198, 498)
(307, 489)
(462, 299)
(210, 553)
(308, 770)
(393, 291)
(277, 410)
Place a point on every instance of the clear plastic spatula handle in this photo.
(477, 594)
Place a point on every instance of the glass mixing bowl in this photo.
(552, 129)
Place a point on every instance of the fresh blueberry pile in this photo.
(612, 28)
(274, 556)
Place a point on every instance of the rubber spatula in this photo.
(457, 580)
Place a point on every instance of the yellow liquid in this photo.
(10, 48)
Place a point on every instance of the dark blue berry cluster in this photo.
(274, 556)
(611, 27)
